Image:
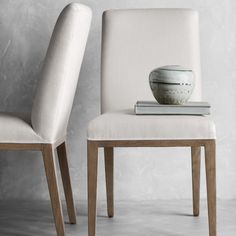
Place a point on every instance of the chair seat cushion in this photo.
(125, 125)
(16, 128)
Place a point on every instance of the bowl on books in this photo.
(172, 84)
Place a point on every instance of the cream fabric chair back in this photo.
(57, 86)
(137, 41)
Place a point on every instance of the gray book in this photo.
(154, 108)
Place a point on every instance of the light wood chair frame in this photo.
(48, 153)
(195, 145)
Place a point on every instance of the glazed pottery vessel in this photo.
(172, 84)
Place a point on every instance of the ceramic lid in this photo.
(173, 68)
(171, 74)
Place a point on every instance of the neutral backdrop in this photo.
(140, 174)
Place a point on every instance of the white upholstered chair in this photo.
(133, 43)
(45, 128)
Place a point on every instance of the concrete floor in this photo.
(167, 218)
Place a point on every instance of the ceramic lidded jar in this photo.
(172, 84)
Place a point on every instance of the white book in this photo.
(154, 108)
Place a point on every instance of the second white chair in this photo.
(46, 127)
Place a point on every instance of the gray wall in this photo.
(25, 28)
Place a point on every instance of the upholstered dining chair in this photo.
(133, 43)
(45, 128)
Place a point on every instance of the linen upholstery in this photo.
(125, 125)
(16, 128)
(133, 43)
(136, 41)
(57, 86)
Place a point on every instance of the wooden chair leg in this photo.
(65, 174)
(92, 156)
(211, 185)
(50, 169)
(196, 166)
(109, 171)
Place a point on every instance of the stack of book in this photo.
(154, 108)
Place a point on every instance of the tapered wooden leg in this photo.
(50, 169)
(109, 171)
(65, 174)
(196, 165)
(92, 156)
(211, 185)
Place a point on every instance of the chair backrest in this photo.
(136, 41)
(57, 85)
